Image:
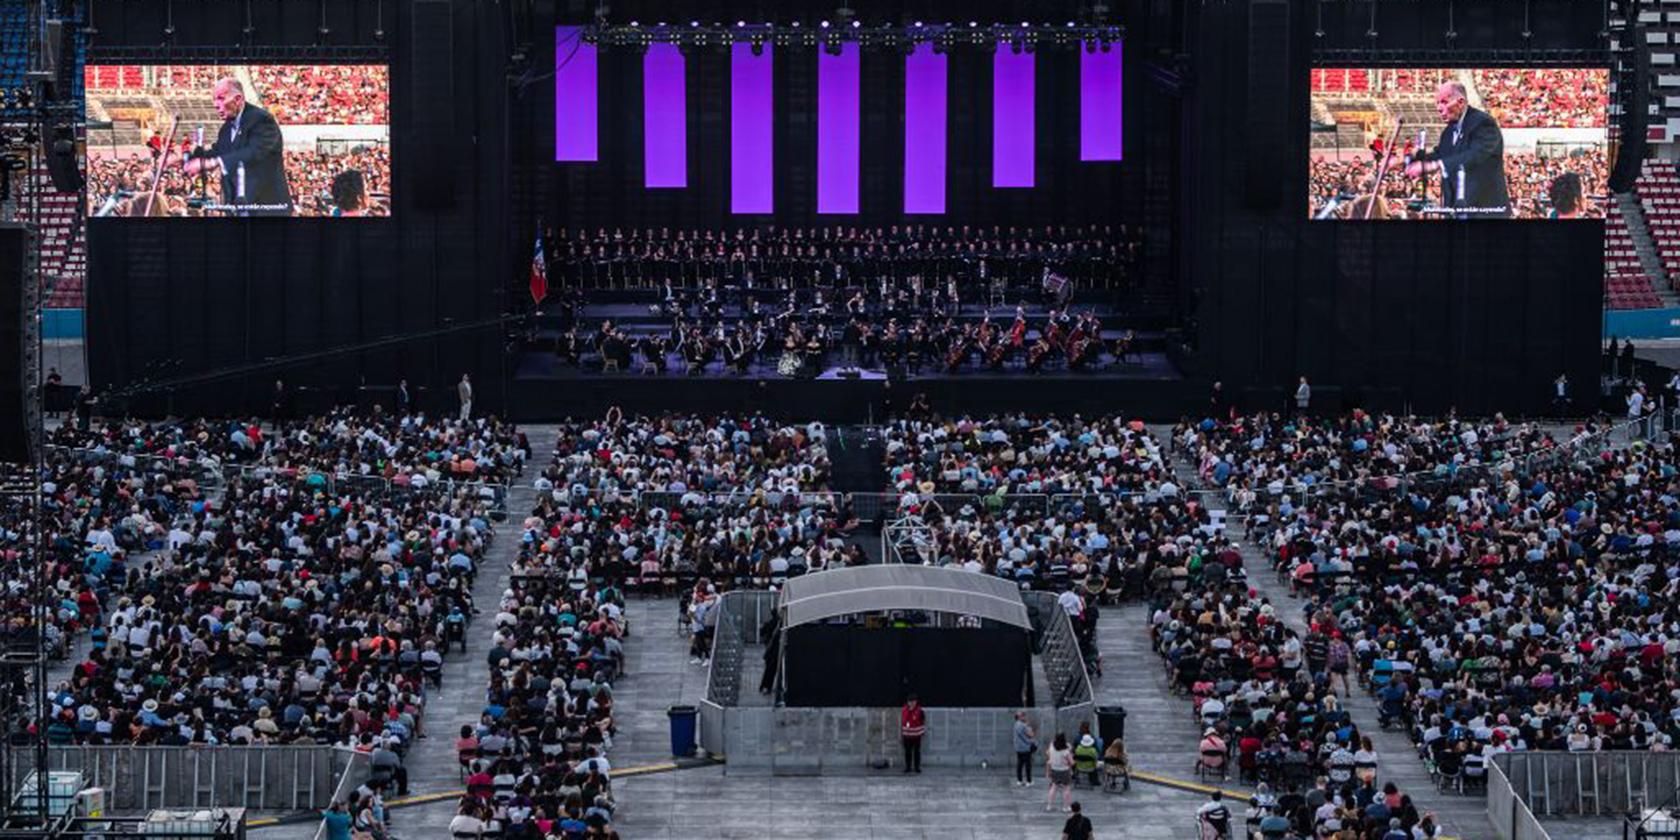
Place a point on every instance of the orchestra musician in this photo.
(816, 347)
(736, 354)
(653, 350)
(567, 347)
(892, 344)
(1125, 347)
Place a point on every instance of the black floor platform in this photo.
(544, 389)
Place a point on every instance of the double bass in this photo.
(1075, 342)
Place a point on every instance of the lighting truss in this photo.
(943, 35)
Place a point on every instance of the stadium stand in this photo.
(1626, 283)
(1340, 80)
(63, 258)
(1659, 196)
(63, 264)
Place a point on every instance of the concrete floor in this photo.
(707, 804)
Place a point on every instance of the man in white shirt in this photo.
(1071, 603)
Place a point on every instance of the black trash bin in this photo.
(683, 720)
(1111, 722)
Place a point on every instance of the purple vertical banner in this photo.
(1012, 118)
(838, 130)
(576, 134)
(924, 130)
(1100, 134)
(751, 129)
(665, 117)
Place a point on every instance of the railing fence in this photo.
(262, 778)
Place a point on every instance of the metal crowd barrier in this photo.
(207, 475)
(1584, 445)
(357, 771)
(1511, 818)
(1064, 666)
(1607, 784)
(262, 778)
(878, 506)
(496, 495)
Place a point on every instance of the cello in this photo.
(959, 351)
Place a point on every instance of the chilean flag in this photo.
(539, 274)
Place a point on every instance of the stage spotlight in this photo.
(973, 23)
(856, 24)
(740, 24)
(824, 24)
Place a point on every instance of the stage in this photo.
(1150, 385)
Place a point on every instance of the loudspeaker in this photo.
(432, 98)
(62, 161)
(14, 417)
(1266, 114)
(1635, 90)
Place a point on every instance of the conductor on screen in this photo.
(1469, 159)
(248, 156)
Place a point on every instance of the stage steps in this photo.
(858, 456)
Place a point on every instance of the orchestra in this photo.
(794, 300)
(796, 341)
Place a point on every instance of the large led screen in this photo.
(1506, 143)
(233, 140)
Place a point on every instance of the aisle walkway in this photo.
(1161, 737)
(658, 675)
(431, 762)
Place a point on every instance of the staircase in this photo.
(1639, 229)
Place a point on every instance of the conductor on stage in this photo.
(248, 155)
(1469, 160)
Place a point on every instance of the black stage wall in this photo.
(610, 193)
(1477, 315)
(849, 665)
(173, 297)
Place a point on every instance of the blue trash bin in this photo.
(684, 720)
